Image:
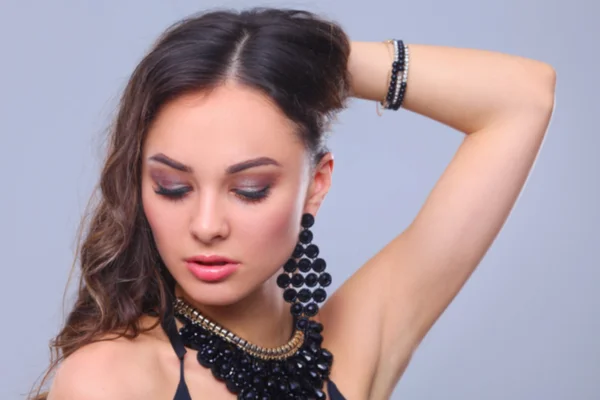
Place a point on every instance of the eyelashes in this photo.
(248, 196)
(172, 194)
(253, 196)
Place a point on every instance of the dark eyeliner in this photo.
(172, 193)
(253, 195)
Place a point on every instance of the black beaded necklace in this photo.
(296, 370)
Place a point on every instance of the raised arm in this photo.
(503, 104)
(469, 90)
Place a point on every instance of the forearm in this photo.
(466, 89)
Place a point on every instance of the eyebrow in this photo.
(230, 170)
(255, 162)
(163, 159)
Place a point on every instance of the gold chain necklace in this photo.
(265, 353)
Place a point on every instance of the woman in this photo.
(216, 170)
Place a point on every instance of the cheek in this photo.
(165, 224)
(271, 235)
(281, 227)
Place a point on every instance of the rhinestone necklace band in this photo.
(265, 353)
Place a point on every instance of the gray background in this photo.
(526, 325)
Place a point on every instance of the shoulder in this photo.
(106, 369)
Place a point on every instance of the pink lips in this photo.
(211, 268)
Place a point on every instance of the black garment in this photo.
(182, 392)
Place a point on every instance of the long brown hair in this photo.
(294, 57)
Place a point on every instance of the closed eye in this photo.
(249, 196)
(173, 194)
(253, 196)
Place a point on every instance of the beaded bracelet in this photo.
(399, 76)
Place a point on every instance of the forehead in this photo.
(223, 126)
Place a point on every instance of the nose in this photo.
(209, 223)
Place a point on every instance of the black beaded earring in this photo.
(305, 273)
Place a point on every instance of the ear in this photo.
(321, 182)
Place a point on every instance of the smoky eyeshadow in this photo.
(164, 178)
(252, 183)
(244, 180)
(256, 180)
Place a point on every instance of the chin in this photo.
(217, 294)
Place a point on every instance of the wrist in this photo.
(369, 66)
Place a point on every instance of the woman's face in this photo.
(224, 174)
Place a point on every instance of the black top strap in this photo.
(170, 328)
(334, 393)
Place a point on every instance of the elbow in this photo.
(549, 87)
(543, 89)
(532, 100)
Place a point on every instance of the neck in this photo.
(262, 318)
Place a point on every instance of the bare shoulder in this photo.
(107, 369)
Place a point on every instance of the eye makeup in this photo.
(173, 194)
(253, 196)
(247, 189)
(169, 186)
(254, 187)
